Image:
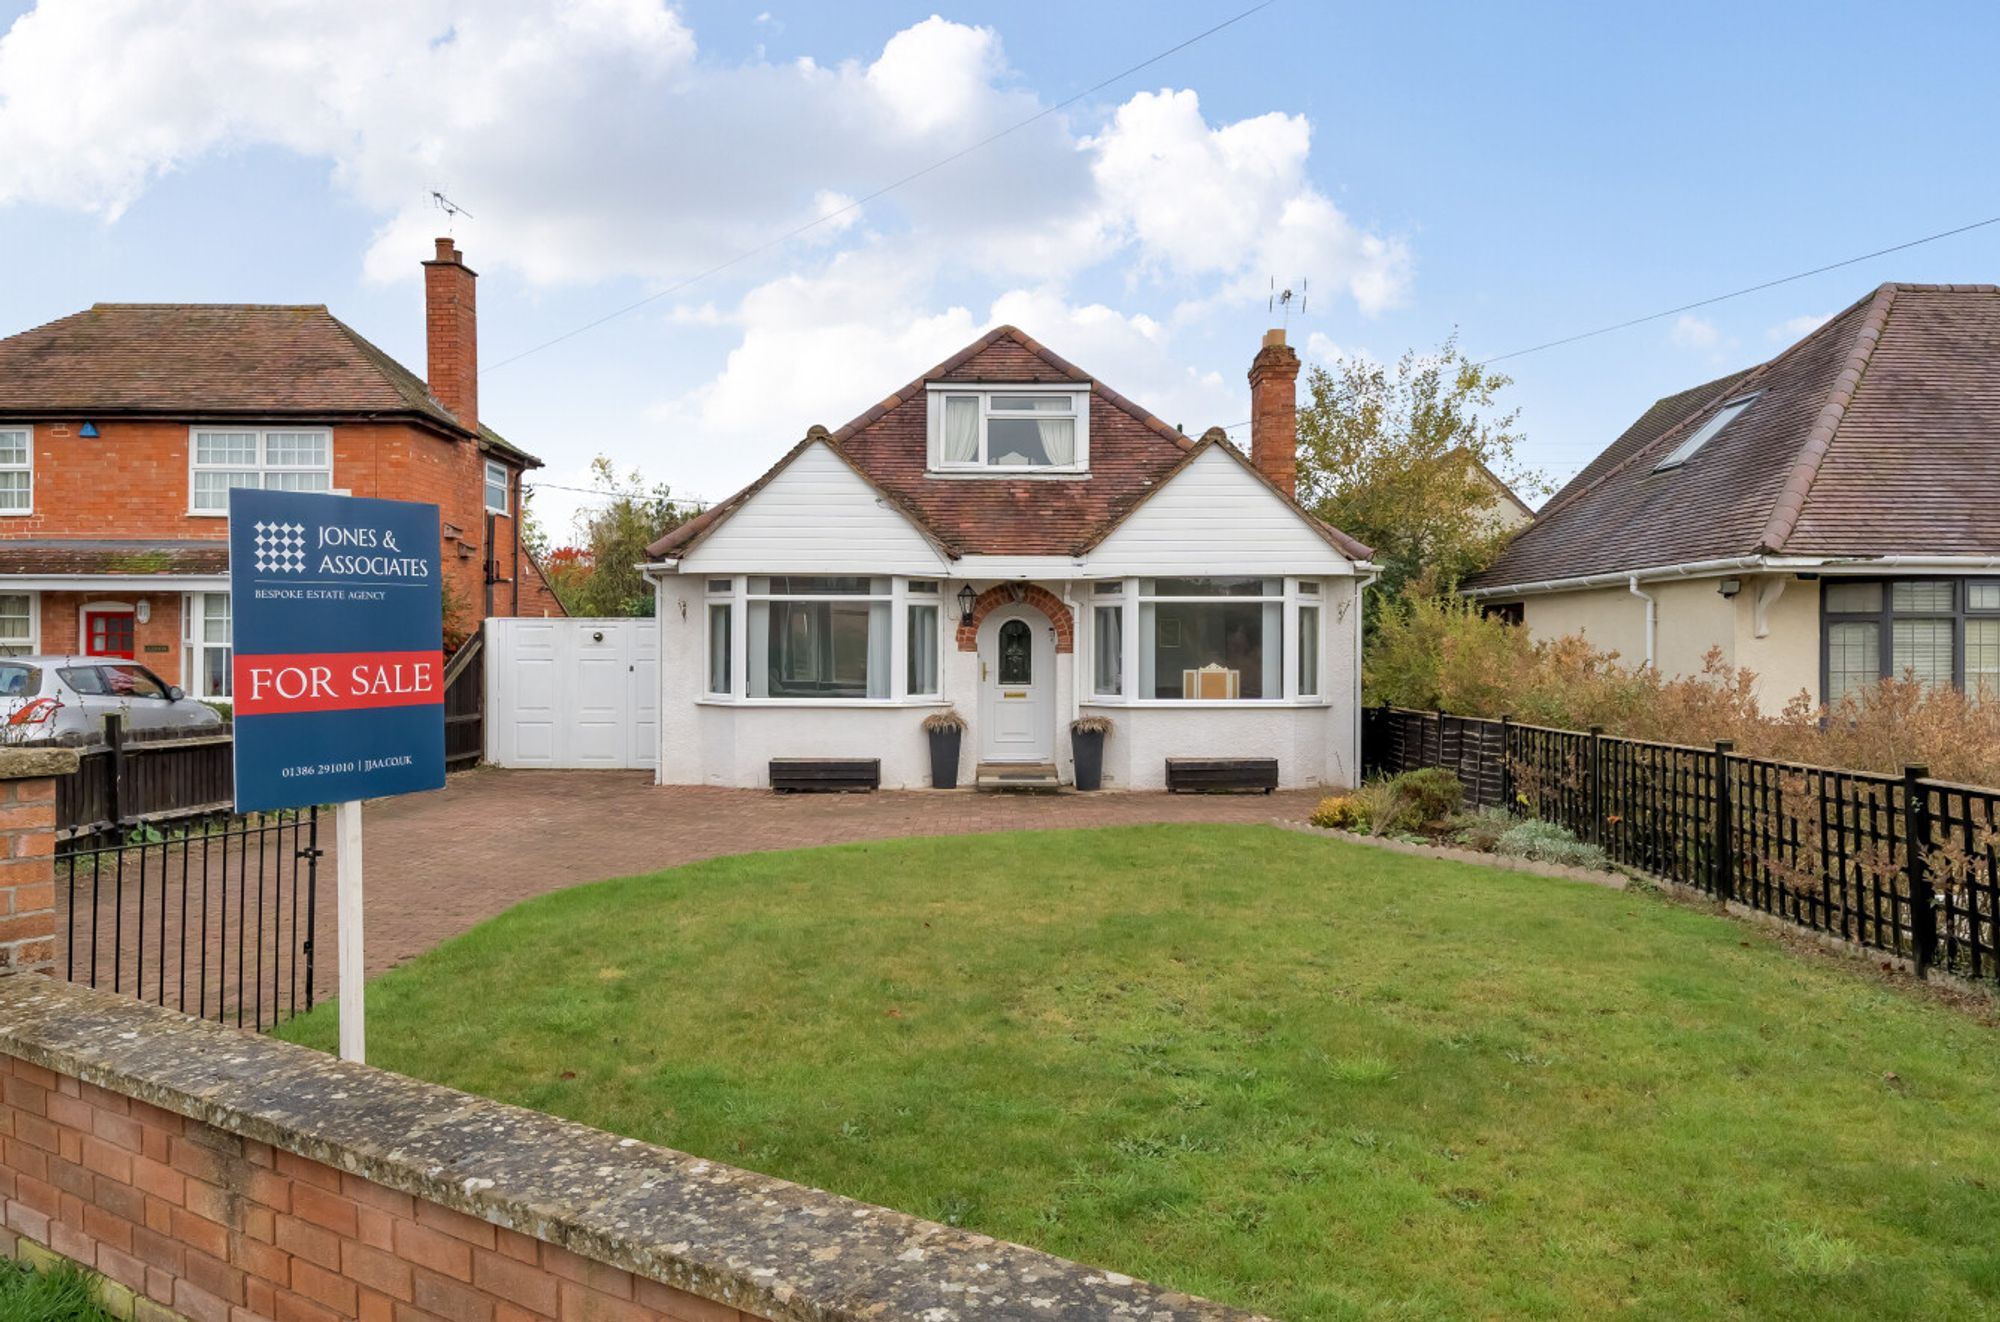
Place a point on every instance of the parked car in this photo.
(52, 697)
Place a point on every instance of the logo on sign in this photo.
(281, 548)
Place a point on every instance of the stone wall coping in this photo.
(770, 1247)
(37, 763)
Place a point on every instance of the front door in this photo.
(1017, 687)
(111, 632)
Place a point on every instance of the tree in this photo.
(600, 574)
(1402, 462)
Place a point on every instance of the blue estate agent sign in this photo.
(337, 608)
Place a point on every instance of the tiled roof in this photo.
(1876, 434)
(1131, 454)
(208, 359)
(69, 555)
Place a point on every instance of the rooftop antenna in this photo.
(451, 209)
(1282, 301)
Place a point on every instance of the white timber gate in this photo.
(573, 693)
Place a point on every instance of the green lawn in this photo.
(1303, 1076)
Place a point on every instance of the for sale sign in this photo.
(337, 607)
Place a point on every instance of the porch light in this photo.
(1730, 587)
(966, 596)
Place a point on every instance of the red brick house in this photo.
(123, 427)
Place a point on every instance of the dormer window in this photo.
(1012, 430)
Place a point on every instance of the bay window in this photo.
(721, 637)
(818, 636)
(1215, 639)
(925, 633)
(1107, 639)
(206, 644)
(1942, 631)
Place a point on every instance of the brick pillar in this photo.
(451, 332)
(27, 856)
(1274, 412)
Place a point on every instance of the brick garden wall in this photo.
(220, 1228)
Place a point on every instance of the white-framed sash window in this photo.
(830, 639)
(276, 459)
(496, 487)
(20, 623)
(17, 470)
(1209, 639)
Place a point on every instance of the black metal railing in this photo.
(215, 918)
(1903, 864)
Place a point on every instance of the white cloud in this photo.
(1692, 332)
(1796, 328)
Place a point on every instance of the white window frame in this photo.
(27, 431)
(1079, 393)
(739, 598)
(1308, 592)
(194, 673)
(263, 466)
(34, 639)
(506, 487)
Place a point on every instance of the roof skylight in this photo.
(1705, 433)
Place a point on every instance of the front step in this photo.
(1018, 777)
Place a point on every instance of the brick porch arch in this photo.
(1002, 594)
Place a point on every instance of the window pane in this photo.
(1107, 631)
(215, 672)
(1017, 653)
(1032, 404)
(1922, 648)
(960, 441)
(922, 650)
(779, 585)
(1982, 596)
(301, 480)
(14, 447)
(1211, 587)
(718, 649)
(721, 585)
(496, 488)
(1309, 586)
(16, 623)
(1853, 659)
(821, 649)
(1030, 443)
(1215, 649)
(927, 586)
(215, 617)
(1703, 435)
(219, 448)
(15, 489)
(1108, 587)
(1308, 651)
(211, 489)
(1853, 598)
(1982, 658)
(1921, 598)
(296, 449)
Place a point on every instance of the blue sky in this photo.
(1518, 172)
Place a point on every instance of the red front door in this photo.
(110, 633)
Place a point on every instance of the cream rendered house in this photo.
(1009, 537)
(1827, 519)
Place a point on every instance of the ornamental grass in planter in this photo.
(946, 730)
(1086, 737)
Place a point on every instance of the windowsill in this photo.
(15, 514)
(1008, 474)
(1231, 704)
(794, 704)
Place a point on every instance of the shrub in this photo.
(947, 721)
(1546, 842)
(1415, 801)
(1439, 652)
(1341, 812)
(1480, 830)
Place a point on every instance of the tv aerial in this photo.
(450, 208)
(1286, 299)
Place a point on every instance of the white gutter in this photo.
(1652, 615)
(1775, 564)
(141, 583)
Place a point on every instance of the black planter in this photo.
(944, 758)
(1088, 745)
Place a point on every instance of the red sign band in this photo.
(337, 681)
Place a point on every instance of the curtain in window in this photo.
(961, 429)
(1058, 439)
(1108, 649)
(718, 648)
(1308, 651)
(923, 649)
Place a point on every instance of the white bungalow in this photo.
(1008, 536)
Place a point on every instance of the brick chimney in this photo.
(451, 326)
(1274, 412)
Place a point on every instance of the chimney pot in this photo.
(451, 325)
(1274, 412)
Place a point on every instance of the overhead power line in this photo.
(860, 202)
(1738, 293)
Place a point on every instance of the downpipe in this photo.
(1652, 617)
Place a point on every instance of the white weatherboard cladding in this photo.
(817, 516)
(1214, 517)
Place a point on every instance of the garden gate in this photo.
(572, 693)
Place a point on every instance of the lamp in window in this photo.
(966, 596)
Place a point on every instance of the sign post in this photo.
(336, 605)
